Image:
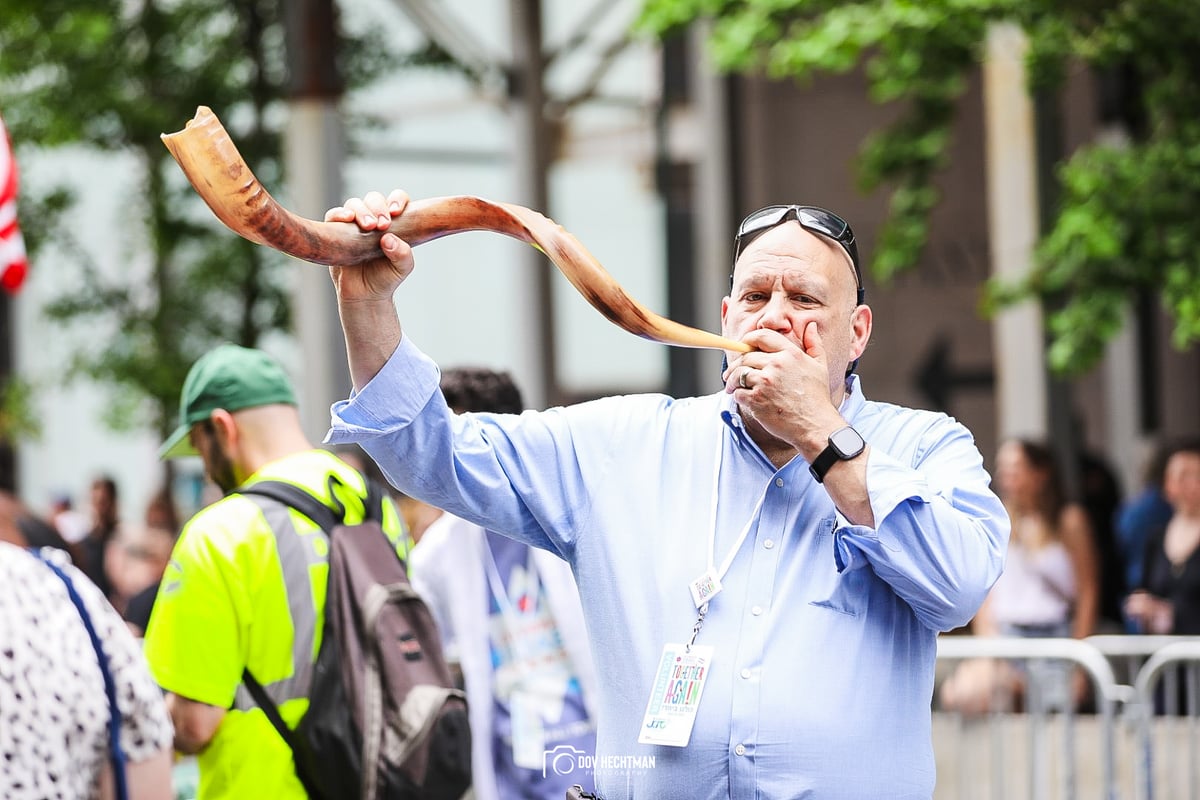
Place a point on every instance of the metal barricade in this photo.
(1021, 760)
(1138, 738)
(1169, 722)
(1127, 653)
(1165, 744)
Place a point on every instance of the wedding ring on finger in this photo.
(742, 378)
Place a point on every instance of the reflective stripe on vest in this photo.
(296, 557)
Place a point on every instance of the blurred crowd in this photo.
(124, 557)
(1079, 563)
(1087, 563)
(1096, 561)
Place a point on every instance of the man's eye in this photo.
(753, 297)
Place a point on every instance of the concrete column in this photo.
(314, 148)
(531, 147)
(714, 199)
(1013, 225)
(1122, 406)
(1122, 379)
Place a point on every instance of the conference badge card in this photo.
(675, 698)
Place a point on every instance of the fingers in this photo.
(397, 201)
(372, 211)
(766, 344)
(812, 341)
(736, 377)
(357, 210)
(339, 214)
(396, 249)
(774, 357)
(766, 341)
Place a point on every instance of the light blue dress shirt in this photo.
(825, 632)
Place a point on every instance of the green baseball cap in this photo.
(228, 377)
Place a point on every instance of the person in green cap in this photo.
(245, 587)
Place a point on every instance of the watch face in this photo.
(847, 442)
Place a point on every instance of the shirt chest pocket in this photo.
(844, 592)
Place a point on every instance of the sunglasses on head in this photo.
(811, 218)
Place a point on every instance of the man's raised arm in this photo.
(365, 291)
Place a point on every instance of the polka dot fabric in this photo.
(53, 712)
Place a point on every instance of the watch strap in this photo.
(821, 464)
(833, 454)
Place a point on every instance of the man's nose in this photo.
(775, 315)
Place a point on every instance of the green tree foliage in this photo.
(1126, 216)
(18, 416)
(112, 75)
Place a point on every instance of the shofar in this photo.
(217, 171)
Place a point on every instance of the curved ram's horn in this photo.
(216, 170)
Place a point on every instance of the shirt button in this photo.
(740, 750)
(769, 543)
(756, 610)
(779, 481)
(746, 673)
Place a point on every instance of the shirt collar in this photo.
(729, 413)
(852, 403)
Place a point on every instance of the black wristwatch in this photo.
(844, 444)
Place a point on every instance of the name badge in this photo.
(528, 733)
(675, 697)
(705, 588)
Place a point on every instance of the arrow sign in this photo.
(938, 380)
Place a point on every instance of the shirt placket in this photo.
(747, 698)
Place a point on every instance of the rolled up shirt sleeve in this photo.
(518, 474)
(941, 533)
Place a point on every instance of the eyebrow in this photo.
(792, 279)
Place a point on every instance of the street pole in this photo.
(314, 148)
(676, 178)
(8, 455)
(1013, 221)
(531, 148)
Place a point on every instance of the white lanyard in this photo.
(510, 615)
(712, 528)
(682, 671)
(528, 727)
(708, 585)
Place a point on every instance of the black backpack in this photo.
(384, 719)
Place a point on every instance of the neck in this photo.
(1189, 518)
(263, 435)
(1031, 530)
(777, 451)
(1019, 507)
(256, 455)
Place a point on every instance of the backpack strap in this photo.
(287, 734)
(292, 496)
(576, 792)
(115, 751)
(327, 517)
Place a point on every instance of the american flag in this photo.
(13, 264)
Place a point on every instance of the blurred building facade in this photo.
(931, 348)
(650, 161)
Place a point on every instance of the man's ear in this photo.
(861, 321)
(224, 428)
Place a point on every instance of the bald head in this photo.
(790, 246)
